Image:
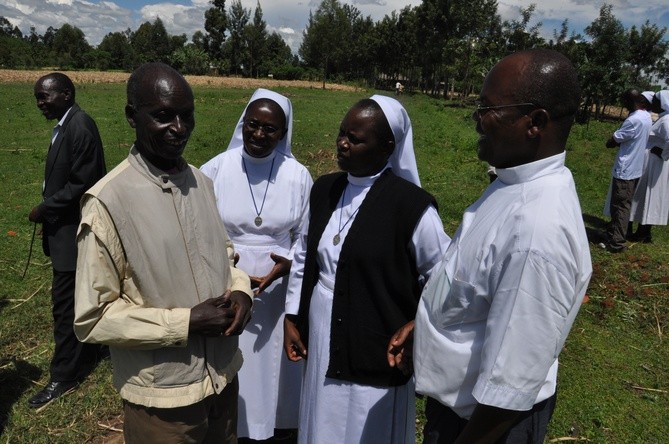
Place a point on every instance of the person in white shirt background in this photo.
(631, 138)
(650, 205)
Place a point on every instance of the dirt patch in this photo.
(78, 77)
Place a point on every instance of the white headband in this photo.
(403, 160)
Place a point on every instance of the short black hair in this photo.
(550, 81)
(61, 81)
(383, 130)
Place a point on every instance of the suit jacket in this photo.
(74, 163)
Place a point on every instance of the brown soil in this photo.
(11, 75)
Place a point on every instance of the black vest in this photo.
(376, 284)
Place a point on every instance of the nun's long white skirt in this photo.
(269, 384)
(341, 412)
(650, 205)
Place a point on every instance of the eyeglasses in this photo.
(481, 110)
(255, 126)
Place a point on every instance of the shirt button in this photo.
(339, 321)
(216, 385)
(338, 373)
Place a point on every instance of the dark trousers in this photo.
(72, 360)
(444, 425)
(622, 192)
(212, 420)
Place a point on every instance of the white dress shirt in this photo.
(495, 313)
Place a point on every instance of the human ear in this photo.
(68, 94)
(130, 115)
(539, 120)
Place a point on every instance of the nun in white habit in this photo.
(650, 205)
(262, 196)
(373, 237)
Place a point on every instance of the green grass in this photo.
(613, 380)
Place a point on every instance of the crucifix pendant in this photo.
(336, 239)
(258, 221)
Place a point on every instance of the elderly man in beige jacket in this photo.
(156, 279)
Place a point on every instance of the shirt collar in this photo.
(532, 170)
(161, 178)
(258, 160)
(62, 120)
(366, 180)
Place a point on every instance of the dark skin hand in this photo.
(400, 349)
(280, 269)
(226, 315)
(35, 215)
(657, 151)
(487, 424)
(292, 342)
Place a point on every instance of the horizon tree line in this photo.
(440, 47)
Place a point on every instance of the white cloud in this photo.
(288, 17)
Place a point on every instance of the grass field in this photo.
(613, 382)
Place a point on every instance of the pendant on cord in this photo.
(336, 239)
(258, 221)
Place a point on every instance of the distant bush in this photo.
(288, 72)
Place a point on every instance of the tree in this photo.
(451, 35)
(199, 40)
(648, 53)
(151, 42)
(70, 47)
(517, 35)
(278, 58)
(14, 50)
(395, 52)
(324, 39)
(256, 42)
(190, 60)
(604, 73)
(117, 45)
(7, 30)
(215, 23)
(235, 45)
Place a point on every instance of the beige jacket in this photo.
(152, 245)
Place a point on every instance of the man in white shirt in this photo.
(631, 137)
(495, 313)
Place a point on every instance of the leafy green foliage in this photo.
(215, 23)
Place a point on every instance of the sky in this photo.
(96, 18)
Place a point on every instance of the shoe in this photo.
(612, 248)
(641, 238)
(53, 390)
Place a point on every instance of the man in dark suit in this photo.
(74, 163)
